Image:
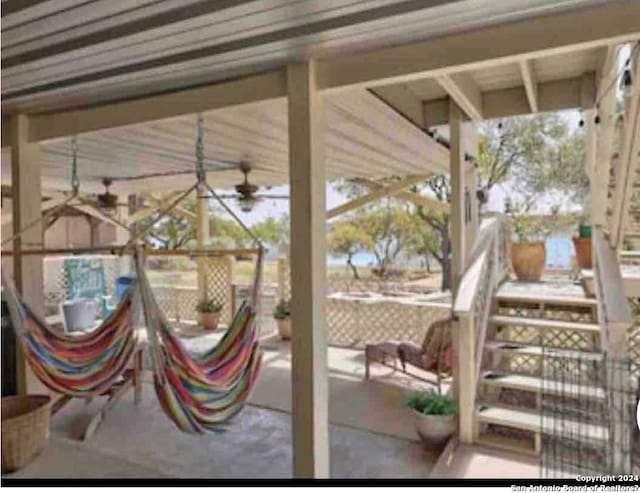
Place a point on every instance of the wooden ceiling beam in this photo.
(552, 96)
(530, 84)
(250, 89)
(465, 92)
(546, 35)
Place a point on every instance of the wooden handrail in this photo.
(485, 269)
(614, 313)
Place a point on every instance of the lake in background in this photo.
(559, 253)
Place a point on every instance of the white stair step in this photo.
(546, 299)
(532, 350)
(544, 324)
(533, 421)
(539, 385)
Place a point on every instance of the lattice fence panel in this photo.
(217, 274)
(356, 323)
(569, 339)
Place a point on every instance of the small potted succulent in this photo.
(435, 417)
(282, 314)
(582, 244)
(209, 314)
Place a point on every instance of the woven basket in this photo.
(25, 428)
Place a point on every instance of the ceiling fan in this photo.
(106, 201)
(247, 193)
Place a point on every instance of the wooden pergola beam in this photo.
(428, 203)
(465, 92)
(576, 30)
(377, 194)
(178, 210)
(530, 84)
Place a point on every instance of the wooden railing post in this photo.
(465, 376)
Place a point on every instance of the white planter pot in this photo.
(434, 430)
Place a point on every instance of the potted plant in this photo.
(582, 244)
(209, 314)
(528, 252)
(282, 314)
(435, 417)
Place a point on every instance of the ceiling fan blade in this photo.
(268, 196)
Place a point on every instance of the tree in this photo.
(535, 153)
(273, 232)
(390, 230)
(346, 239)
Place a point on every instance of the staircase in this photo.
(529, 333)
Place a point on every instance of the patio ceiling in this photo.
(64, 53)
(366, 138)
(82, 70)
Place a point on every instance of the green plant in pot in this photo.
(282, 314)
(435, 417)
(528, 252)
(582, 244)
(209, 314)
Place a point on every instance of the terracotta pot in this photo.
(528, 260)
(583, 252)
(284, 328)
(209, 321)
(434, 430)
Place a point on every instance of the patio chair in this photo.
(433, 356)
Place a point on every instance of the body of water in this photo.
(559, 252)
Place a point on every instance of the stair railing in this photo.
(614, 319)
(486, 268)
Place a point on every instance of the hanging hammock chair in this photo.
(203, 392)
(76, 366)
(79, 365)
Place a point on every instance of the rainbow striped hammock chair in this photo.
(79, 365)
(201, 393)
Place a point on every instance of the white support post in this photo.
(457, 221)
(310, 426)
(604, 140)
(27, 197)
(202, 238)
(465, 379)
(123, 235)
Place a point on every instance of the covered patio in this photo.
(368, 96)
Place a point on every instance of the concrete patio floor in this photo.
(371, 432)
(139, 441)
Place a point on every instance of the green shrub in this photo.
(209, 306)
(430, 402)
(282, 310)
